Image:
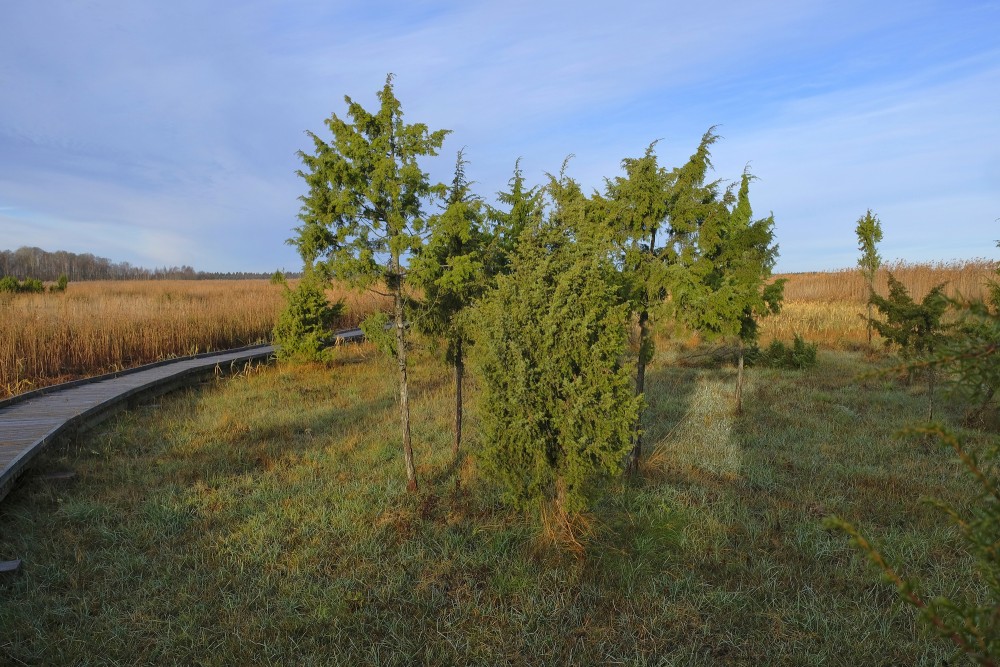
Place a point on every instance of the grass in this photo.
(264, 520)
(98, 327)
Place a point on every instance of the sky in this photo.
(166, 133)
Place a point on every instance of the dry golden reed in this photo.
(104, 326)
(829, 307)
(965, 279)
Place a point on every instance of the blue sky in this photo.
(166, 133)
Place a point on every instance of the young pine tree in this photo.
(722, 288)
(452, 271)
(304, 329)
(915, 328)
(558, 406)
(869, 232)
(363, 215)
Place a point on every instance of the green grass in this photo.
(264, 520)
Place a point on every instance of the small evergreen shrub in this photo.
(28, 286)
(61, 284)
(32, 286)
(778, 355)
(304, 329)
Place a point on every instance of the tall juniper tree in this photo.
(723, 287)
(642, 208)
(363, 215)
(452, 270)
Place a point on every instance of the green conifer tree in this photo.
(452, 269)
(524, 210)
(558, 406)
(915, 328)
(304, 329)
(869, 232)
(363, 216)
(642, 208)
(722, 286)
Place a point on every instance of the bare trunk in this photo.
(404, 394)
(459, 373)
(632, 464)
(930, 393)
(869, 323)
(739, 381)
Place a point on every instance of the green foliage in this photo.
(363, 212)
(869, 233)
(799, 356)
(524, 211)
(452, 267)
(557, 404)
(362, 217)
(721, 284)
(61, 284)
(278, 278)
(915, 328)
(971, 357)
(12, 285)
(378, 331)
(304, 329)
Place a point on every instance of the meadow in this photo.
(264, 519)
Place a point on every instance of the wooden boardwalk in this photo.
(29, 422)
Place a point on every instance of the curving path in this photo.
(29, 422)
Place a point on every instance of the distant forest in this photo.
(28, 262)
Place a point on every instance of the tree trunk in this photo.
(459, 373)
(739, 381)
(869, 322)
(632, 464)
(404, 394)
(930, 393)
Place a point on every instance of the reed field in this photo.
(105, 326)
(97, 327)
(828, 308)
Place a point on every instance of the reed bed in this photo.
(829, 308)
(99, 327)
(962, 279)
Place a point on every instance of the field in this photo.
(264, 520)
(100, 327)
(827, 307)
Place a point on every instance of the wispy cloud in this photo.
(167, 134)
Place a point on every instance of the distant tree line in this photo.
(29, 262)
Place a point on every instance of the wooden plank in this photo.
(28, 422)
(10, 567)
